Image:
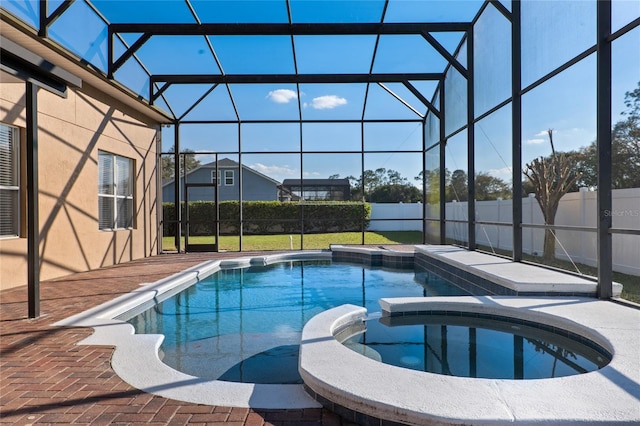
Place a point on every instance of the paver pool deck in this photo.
(47, 378)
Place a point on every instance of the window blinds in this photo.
(115, 191)
(9, 181)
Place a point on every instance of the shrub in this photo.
(270, 217)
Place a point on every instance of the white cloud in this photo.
(542, 133)
(270, 171)
(505, 171)
(311, 174)
(535, 141)
(204, 158)
(282, 96)
(326, 102)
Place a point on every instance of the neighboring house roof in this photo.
(224, 163)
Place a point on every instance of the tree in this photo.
(491, 188)
(356, 188)
(487, 187)
(394, 178)
(626, 144)
(527, 187)
(382, 185)
(188, 162)
(432, 183)
(457, 187)
(625, 150)
(552, 177)
(366, 183)
(396, 194)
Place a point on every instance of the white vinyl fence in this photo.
(575, 209)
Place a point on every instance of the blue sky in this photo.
(565, 103)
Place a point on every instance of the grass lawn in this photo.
(630, 286)
(311, 241)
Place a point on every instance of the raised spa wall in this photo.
(368, 392)
(475, 272)
(373, 257)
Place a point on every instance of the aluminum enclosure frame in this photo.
(162, 82)
(159, 83)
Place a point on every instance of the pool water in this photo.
(244, 324)
(469, 346)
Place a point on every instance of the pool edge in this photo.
(384, 392)
(136, 361)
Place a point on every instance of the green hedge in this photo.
(270, 217)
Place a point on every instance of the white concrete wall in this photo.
(575, 209)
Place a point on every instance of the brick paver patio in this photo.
(46, 379)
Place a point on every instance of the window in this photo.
(228, 177)
(115, 191)
(213, 177)
(9, 181)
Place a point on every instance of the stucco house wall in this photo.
(71, 131)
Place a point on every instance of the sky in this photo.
(565, 103)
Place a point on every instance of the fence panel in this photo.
(575, 209)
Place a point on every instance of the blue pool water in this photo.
(244, 324)
(472, 346)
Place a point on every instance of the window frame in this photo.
(229, 176)
(214, 180)
(115, 196)
(15, 163)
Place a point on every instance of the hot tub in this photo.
(364, 390)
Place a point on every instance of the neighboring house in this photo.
(255, 185)
(319, 189)
(93, 200)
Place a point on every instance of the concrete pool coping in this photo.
(136, 360)
(516, 276)
(355, 386)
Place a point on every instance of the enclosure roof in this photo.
(272, 60)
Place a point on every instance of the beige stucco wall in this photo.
(71, 131)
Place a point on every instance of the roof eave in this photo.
(19, 32)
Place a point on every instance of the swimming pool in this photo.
(330, 369)
(244, 324)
